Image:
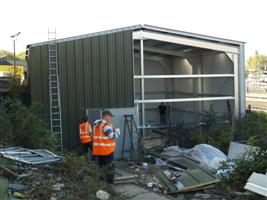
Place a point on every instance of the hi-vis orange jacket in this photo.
(102, 145)
(85, 132)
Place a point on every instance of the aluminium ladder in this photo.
(54, 89)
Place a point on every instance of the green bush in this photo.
(20, 126)
(253, 129)
(212, 130)
(236, 180)
(253, 125)
(84, 175)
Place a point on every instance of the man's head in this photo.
(106, 115)
(85, 118)
(161, 103)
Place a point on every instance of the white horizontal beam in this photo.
(185, 41)
(186, 76)
(162, 51)
(186, 99)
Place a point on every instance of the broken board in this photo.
(125, 179)
(184, 162)
(257, 183)
(195, 179)
(3, 188)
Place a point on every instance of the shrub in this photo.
(19, 126)
(253, 129)
(252, 126)
(212, 130)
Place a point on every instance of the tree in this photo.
(9, 55)
(21, 56)
(257, 62)
(6, 54)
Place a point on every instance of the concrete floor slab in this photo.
(135, 192)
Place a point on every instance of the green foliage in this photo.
(17, 90)
(9, 55)
(253, 129)
(78, 167)
(6, 54)
(212, 130)
(19, 126)
(257, 62)
(257, 162)
(252, 126)
(21, 56)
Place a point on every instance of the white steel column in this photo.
(236, 85)
(242, 92)
(142, 81)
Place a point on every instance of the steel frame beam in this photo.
(185, 41)
(163, 51)
(242, 91)
(236, 53)
(185, 99)
(185, 76)
(236, 85)
(142, 80)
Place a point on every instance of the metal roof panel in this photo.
(150, 28)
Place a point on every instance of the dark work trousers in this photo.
(162, 118)
(108, 168)
(88, 149)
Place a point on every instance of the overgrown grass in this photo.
(87, 173)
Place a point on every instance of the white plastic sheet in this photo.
(206, 154)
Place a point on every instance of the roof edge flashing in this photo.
(148, 28)
(190, 34)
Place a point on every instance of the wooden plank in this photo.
(196, 187)
(125, 179)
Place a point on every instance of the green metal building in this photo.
(138, 67)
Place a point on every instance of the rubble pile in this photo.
(182, 173)
(43, 182)
(47, 180)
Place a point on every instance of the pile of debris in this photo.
(181, 173)
(21, 168)
(175, 170)
(41, 174)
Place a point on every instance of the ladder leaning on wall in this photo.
(54, 87)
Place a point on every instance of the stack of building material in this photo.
(191, 177)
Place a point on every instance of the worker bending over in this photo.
(86, 136)
(104, 144)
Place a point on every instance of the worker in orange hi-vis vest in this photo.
(85, 130)
(104, 144)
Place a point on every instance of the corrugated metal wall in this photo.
(95, 72)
